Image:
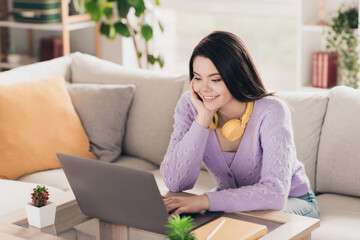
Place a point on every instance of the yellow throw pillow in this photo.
(37, 120)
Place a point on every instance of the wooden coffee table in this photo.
(13, 226)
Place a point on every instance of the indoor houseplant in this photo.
(180, 228)
(129, 18)
(342, 40)
(40, 212)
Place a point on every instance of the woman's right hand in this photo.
(204, 116)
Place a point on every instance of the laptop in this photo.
(120, 194)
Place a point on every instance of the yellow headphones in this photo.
(234, 128)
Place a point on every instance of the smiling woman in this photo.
(256, 168)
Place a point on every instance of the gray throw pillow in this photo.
(103, 111)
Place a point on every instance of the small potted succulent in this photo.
(180, 228)
(40, 212)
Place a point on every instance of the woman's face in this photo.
(209, 85)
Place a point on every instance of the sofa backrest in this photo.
(36, 71)
(339, 150)
(307, 114)
(151, 115)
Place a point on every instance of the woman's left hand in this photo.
(192, 204)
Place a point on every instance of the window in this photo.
(269, 28)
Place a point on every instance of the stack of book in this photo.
(324, 73)
(51, 48)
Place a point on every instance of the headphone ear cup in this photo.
(215, 122)
(232, 130)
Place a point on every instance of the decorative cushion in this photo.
(37, 121)
(53, 177)
(339, 217)
(338, 161)
(103, 111)
(307, 115)
(150, 121)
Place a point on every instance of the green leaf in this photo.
(157, 2)
(147, 32)
(112, 33)
(133, 3)
(108, 11)
(123, 8)
(122, 29)
(161, 61)
(94, 10)
(161, 26)
(180, 228)
(139, 55)
(140, 8)
(151, 59)
(108, 30)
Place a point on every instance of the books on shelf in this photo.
(230, 229)
(324, 70)
(51, 48)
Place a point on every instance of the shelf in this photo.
(48, 26)
(313, 28)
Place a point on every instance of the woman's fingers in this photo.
(178, 212)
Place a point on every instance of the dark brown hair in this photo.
(234, 63)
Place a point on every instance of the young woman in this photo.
(242, 133)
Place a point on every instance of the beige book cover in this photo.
(230, 229)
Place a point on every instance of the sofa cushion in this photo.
(103, 111)
(37, 121)
(339, 217)
(17, 193)
(54, 178)
(338, 161)
(150, 121)
(307, 115)
(36, 71)
(135, 162)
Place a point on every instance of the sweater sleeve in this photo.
(278, 153)
(182, 162)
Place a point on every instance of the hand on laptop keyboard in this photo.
(191, 204)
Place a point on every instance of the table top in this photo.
(280, 225)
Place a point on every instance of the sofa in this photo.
(326, 127)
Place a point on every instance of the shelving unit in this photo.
(67, 24)
(311, 36)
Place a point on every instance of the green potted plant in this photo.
(129, 18)
(180, 228)
(342, 40)
(40, 212)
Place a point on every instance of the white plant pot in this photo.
(41, 216)
(14, 58)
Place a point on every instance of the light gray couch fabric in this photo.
(339, 150)
(340, 217)
(36, 71)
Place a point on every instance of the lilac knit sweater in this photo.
(264, 172)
